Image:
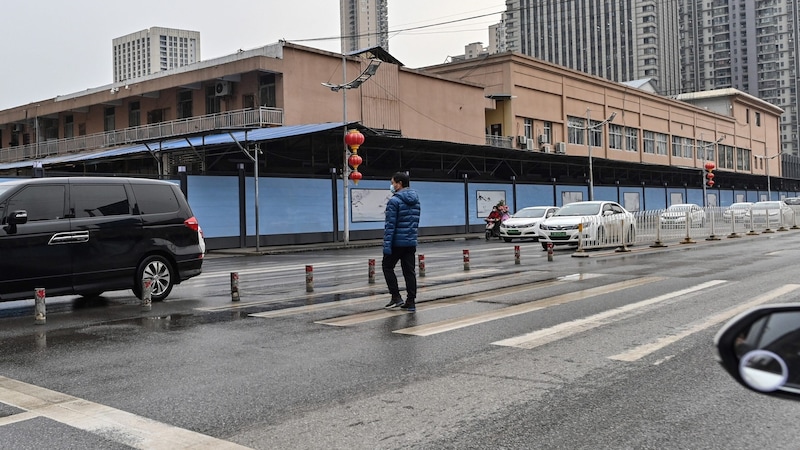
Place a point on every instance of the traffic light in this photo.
(710, 166)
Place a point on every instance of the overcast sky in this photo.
(56, 47)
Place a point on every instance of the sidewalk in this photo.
(299, 248)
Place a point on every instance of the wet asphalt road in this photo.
(284, 368)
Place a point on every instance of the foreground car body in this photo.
(525, 223)
(676, 215)
(603, 223)
(89, 235)
(759, 349)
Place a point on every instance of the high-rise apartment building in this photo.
(364, 24)
(620, 40)
(748, 45)
(154, 50)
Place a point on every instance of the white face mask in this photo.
(391, 188)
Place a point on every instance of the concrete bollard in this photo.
(421, 265)
(516, 254)
(371, 271)
(40, 311)
(147, 295)
(466, 259)
(234, 286)
(550, 251)
(309, 279)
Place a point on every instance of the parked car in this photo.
(524, 224)
(736, 212)
(675, 216)
(770, 213)
(88, 235)
(602, 223)
(760, 349)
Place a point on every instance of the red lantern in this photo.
(353, 139)
(710, 166)
(354, 160)
(355, 176)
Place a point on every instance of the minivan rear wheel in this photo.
(158, 270)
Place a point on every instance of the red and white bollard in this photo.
(516, 254)
(549, 251)
(234, 286)
(40, 312)
(421, 259)
(371, 271)
(147, 295)
(466, 259)
(309, 279)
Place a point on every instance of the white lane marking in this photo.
(646, 349)
(110, 423)
(474, 319)
(561, 331)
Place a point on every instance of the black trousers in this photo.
(406, 257)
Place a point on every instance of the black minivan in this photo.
(88, 235)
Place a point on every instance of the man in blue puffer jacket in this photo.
(400, 241)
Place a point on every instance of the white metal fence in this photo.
(653, 228)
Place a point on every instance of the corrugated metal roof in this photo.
(255, 135)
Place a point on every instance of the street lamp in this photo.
(703, 172)
(588, 128)
(767, 158)
(368, 72)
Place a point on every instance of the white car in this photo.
(525, 223)
(769, 213)
(675, 216)
(602, 223)
(736, 212)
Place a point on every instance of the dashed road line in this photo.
(567, 329)
(474, 319)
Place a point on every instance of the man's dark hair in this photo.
(402, 178)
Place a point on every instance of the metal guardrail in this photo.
(648, 228)
(259, 117)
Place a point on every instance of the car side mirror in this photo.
(760, 349)
(18, 217)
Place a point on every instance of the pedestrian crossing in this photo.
(543, 336)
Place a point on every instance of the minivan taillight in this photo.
(192, 223)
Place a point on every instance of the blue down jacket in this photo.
(402, 220)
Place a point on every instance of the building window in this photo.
(649, 139)
(661, 144)
(547, 131)
(595, 133)
(528, 127)
(758, 119)
(266, 91)
(134, 114)
(688, 146)
(615, 136)
(184, 104)
(576, 125)
(69, 126)
(109, 122)
(213, 105)
(677, 146)
(631, 139)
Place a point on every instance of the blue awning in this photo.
(255, 135)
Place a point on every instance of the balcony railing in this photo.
(260, 117)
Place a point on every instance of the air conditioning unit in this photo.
(529, 145)
(543, 139)
(18, 128)
(561, 148)
(522, 141)
(546, 148)
(222, 88)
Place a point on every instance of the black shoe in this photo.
(410, 307)
(394, 303)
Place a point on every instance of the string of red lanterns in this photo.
(354, 139)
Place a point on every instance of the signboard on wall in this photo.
(369, 205)
(487, 199)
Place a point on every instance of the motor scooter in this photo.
(492, 228)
